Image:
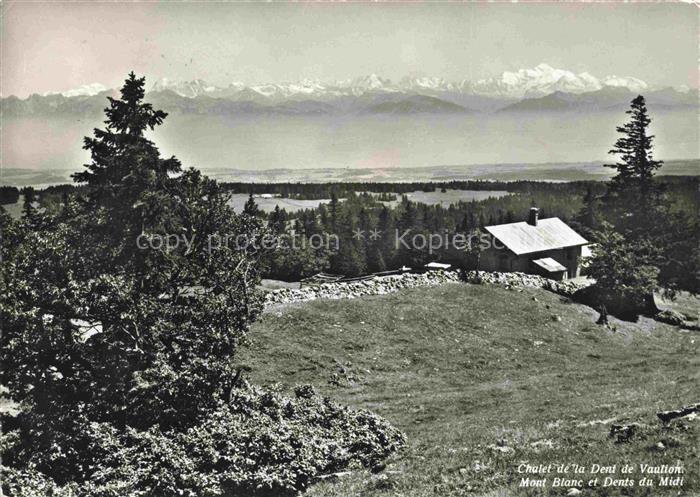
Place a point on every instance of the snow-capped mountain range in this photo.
(189, 89)
(543, 80)
(539, 81)
(540, 89)
(535, 82)
(81, 91)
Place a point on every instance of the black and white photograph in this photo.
(349, 249)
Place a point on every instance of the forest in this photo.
(384, 208)
(578, 204)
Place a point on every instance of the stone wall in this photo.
(381, 285)
(564, 287)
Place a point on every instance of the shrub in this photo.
(258, 443)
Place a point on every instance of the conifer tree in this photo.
(126, 167)
(635, 166)
(131, 189)
(630, 251)
(588, 217)
(634, 202)
(386, 235)
(333, 210)
(29, 197)
(277, 220)
(250, 207)
(350, 259)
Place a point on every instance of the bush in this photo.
(259, 443)
(624, 305)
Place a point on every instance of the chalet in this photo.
(548, 247)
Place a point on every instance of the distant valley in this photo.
(530, 116)
(555, 172)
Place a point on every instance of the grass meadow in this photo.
(483, 379)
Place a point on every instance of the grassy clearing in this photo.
(481, 379)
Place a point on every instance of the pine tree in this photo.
(29, 197)
(634, 202)
(350, 259)
(408, 219)
(630, 252)
(588, 217)
(635, 166)
(323, 217)
(386, 232)
(625, 273)
(124, 162)
(333, 208)
(310, 223)
(251, 208)
(130, 188)
(277, 221)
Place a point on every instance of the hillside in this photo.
(416, 104)
(481, 378)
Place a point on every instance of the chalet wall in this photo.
(493, 259)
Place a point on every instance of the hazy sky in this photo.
(57, 46)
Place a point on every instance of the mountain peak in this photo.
(544, 79)
(371, 82)
(426, 83)
(189, 89)
(543, 67)
(88, 90)
(632, 84)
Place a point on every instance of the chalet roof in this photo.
(549, 265)
(549, 234)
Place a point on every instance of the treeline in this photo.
(316, 191)
(550, 196)
(682, 189)
(575, 203)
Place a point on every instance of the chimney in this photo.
(532, 218)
